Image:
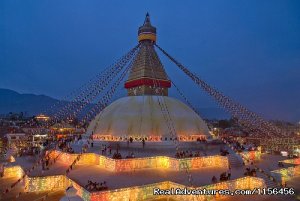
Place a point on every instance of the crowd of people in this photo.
(64, 145)
(188, 154)
(130, 140)
(96, 186)
(106, 150)
(239, 147)
(130, 155)
(223, 151)
(223, 177)
(280, 164)
(117, 155)
(250, 172)
(26, 151)
(45, 163)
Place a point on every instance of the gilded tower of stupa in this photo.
(147, 76)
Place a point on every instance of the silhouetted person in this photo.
(229, 175)
(214, 179)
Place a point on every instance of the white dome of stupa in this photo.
(142, 117)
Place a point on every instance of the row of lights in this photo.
(147, 162)
(154, 138)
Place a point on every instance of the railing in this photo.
(44, 183)
(147, 192)
(144, 192)
(164, 162)
(286, 174)
(13, 171)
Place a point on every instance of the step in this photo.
(269, 183)
(234, 161)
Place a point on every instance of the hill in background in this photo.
(31, 104)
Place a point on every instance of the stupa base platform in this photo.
(133, 184)
(124, 187)
(154, 145)
(149, 150)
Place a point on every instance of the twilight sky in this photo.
(249, 50)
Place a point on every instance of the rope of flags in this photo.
(53, 108)
(127, 57)
(104, 101)
(247, 117)
(105, 81)
(166, 114)
(74, 107)
(83, 91)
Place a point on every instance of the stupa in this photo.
(147, 112)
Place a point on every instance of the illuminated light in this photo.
(11, 159)
(286, 174)
(164, 162)
(36, 184)
(13, 171)
(152, 138)
(39, 135)
(294, 161)
(144, 192)
(42, 117)
(251, 155)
